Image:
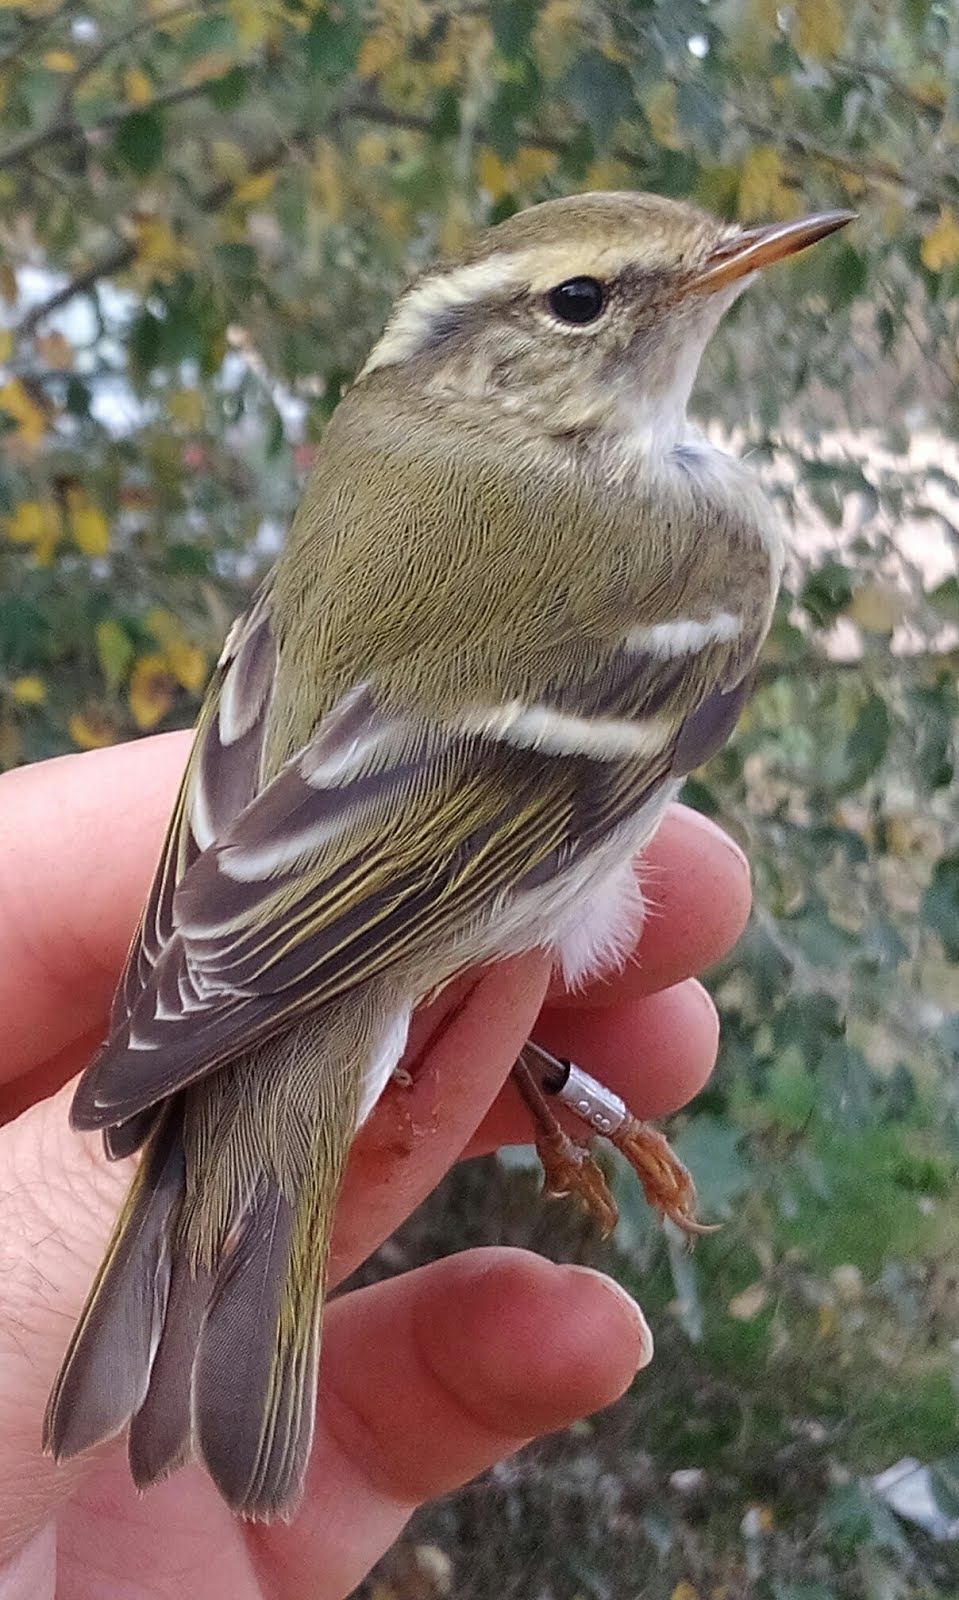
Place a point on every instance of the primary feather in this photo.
(407, 762)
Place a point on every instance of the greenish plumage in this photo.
(519, 602)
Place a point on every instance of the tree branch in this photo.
(819, 669)
(364, 108)
(63, 126)
(117, 260)
(883, 173)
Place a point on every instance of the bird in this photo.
(521, 599)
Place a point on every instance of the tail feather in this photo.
(161, 1430)
(202, 1329)
(254, 1379)
(106, 1371)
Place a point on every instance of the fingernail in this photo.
(698, 819)
(644, 1337)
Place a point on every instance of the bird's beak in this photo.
(753, 248)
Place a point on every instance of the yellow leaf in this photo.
(29, 690)
(557, 36)
(229, 160)
(456, 225)
(60, 61)
(254, 25)
(762, 192)
(532, 165)
(252, 190)
(215, 64)
(685, 1591)
(379, 50)
(606, 173)
(494, 175)
(114, 650)
(151, 691)
(164, 626)
(92, 730)
(660, 108)
(372, 150)
(56, 351)
(18, 403)
(88, 525)
(10, 743)
(137, 87)
(186, 407)
(6, 343)
(38, 524)
(326, 179)
(188, 664)
(820, 27)
(158, 247)
(464, 48)
(940, 248)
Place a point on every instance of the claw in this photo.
(568, 1166)
(667, 1184)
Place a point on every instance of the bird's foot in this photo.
(568, 1165)
(667, 1184)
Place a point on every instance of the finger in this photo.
(432, 1377)
(417, 1132)
(656, 1054)
(697, 890)
(79, 839)
(60, 1198)
(73, 878)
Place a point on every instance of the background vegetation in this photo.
(205, 209)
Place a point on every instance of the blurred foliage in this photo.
(205, 210)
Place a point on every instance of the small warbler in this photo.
(521, 599)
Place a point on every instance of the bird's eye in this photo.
(578, 300)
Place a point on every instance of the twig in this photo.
(818, 669)
(62, 125)
(124, 255)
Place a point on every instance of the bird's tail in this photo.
(217, 1357)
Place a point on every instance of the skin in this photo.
(426, 1379)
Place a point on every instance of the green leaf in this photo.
(944, 1482)
(846, 274)
(601, 90)
(868, 741)
(514, 103)
(940, 904)
(333, 41)
(945, 599)
(114, 650)
(226, 93)
(710, 1148)
(238, 261)
(853, 1515)
(139, 141)
(144, 344)
(827, 592)
(512, 22)
(209, 36)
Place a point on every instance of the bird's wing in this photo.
(386, 838)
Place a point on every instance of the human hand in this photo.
(426, 1379)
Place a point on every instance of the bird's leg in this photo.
(667, 1184)
(568, 1166)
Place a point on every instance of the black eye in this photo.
(578, 300)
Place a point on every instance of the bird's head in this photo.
(582, 314)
